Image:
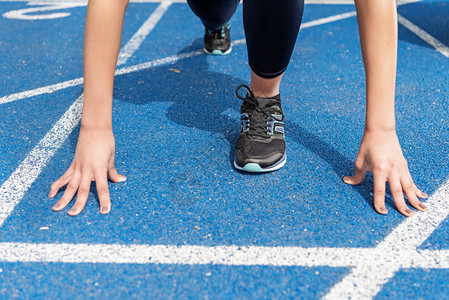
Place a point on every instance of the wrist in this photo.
(380, 129)
(380, 122)
(96, 126)
(379, 135)
(97, 111)
(96, 119)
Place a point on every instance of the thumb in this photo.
(114, 176)
(358, 177)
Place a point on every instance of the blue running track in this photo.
(186, 224)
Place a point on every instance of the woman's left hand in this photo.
(380, 153)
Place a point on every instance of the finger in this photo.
(358, 177)
(398, 196)
(103, 191)
(379, 193)
(81, 197)
(70, 191)
(410, 191)
(63, 180)
(114, 176)
(420, 194)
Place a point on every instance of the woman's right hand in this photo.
(93, 161)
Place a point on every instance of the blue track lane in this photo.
(176, 127)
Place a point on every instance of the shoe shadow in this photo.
(201, 99)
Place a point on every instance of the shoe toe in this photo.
(263, 161)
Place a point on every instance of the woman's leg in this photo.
(215, 15)
(271, 29)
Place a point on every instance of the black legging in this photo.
(271, 29)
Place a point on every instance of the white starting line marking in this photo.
(225, 255)
(372, 267)
(187, 255)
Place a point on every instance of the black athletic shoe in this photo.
(261, 145)
(218, 42)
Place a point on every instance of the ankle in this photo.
(265, 87)
(264, 93)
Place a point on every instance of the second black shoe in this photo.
(218, 42)
(261, 145)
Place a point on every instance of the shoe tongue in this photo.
(263, 102)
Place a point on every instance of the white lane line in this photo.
(431, 259)
(399, 249)
(328, 19)
(166, 254)
(78, 81)
(137, 39)
(42, 90)
(439, 46)
(229, 255)
(403, 2)
(166, 60)
(15, 187)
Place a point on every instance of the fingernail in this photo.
(345, 179)
(51, 195)
(57, 206)
(383, 209)
(425, 195)
(422, 206)
(409, 211)
(104, 209)
(72, 211)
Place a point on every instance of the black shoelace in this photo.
(259, 117)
